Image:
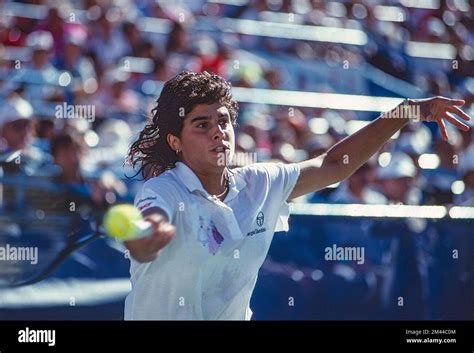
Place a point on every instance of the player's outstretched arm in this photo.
(346, 156)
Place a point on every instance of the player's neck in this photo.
(215, 183)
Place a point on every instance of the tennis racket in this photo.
(52, 248)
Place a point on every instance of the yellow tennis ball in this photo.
(119, 221)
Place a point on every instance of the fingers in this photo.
(456, 122)
(457, 101)
(147, 249)
(155, 218)
(458, 112)
(442, 129)
(163, 231)
(450, 100)
(441, 108)
(163, 234)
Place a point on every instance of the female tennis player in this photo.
(212, 225)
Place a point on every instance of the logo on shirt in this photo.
(151, 198)
(209, 236)
(142, 207)
(259, 220)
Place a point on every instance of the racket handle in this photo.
(142, 229)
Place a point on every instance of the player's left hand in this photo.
(439, 109)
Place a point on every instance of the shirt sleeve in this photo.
(282, 180)
(155, 194)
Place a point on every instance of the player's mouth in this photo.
(220, 149)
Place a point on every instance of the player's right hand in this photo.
(147, 249)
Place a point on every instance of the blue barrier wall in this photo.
(410, 271)
(428, 265)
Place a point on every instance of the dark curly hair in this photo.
(150, 153)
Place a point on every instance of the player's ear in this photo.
(174, 142)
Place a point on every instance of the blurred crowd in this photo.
(78, 79)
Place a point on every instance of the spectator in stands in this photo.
(397, 180)
(252, 10)
(154, 9)
(161, 70)
(37, 77)
(107, 35)
(133, 38)
(178, 39)
(146, 49)
(18, 157)
(16, 132)
(44, 134)
(213, 56)
(13, 32)
(357, 189)
(68, 153)
(414, 141)
(16, 124)
(113, 98)
(259, 130)
(72, 59)
(54, 24)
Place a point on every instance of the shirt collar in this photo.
(192, 182)
(188, 178)
(236, 183)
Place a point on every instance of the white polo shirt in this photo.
(209, 270)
